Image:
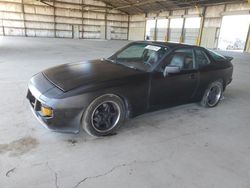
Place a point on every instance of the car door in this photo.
(175, 88)
(208, 72)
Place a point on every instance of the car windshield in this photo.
(139, 56)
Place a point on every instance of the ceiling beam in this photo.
(138, 4)
(137, 8)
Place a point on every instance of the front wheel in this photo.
(213, 94)
(104, 115)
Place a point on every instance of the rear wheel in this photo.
(104, 115)
(213, 94)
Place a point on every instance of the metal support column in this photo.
(24, 22)
(106, 23)
(198, 42)
(183, 28)
(247, 44)
(54, 17)
(128, 27)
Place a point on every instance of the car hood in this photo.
(73, 75)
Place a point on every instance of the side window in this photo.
(182, 58)
(201, 58)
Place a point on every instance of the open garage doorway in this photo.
(161, 31)
(233, 34)
(150, 29)
(176, 25)
(192, 29)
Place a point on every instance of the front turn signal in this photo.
(46, 111)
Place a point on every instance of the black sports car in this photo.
(143, 76)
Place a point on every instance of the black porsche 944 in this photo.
(99, 95)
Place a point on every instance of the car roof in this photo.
(167, 44)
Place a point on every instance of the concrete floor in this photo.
(183, 147)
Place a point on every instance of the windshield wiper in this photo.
(112, 61)
(109, 60)
(128, 66)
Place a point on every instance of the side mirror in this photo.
(171, 70)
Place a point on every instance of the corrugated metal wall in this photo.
(86, 19)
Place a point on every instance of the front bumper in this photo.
(65, 118)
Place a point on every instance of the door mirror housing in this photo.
(171, 70)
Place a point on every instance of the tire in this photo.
(104, 115)
(213, 94)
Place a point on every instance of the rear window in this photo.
(216, 56)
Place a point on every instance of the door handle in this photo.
(192, 76)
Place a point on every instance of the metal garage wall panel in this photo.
(69, 20)
(140, 17)
(116, 36)
(237, 7)
(136, 33)
(93, 22)
(212, 22)
(151, 15)
(89, 35)
(208, 39)
(11, 15)
(70, 1)
(137, 24)
(137, 27)
(195, 11)
(117, 17)
(14, 31)
(17, 1)
(35, 25)
(178, 12)
(38, 10)
(91, 28)
(11, 23)
(7, 6)
(64, 27)
(68, 16)
(32, 2)
(64, 34)
(39, 18)
(93, 15)
(214, 11)
(39, 33)
(117, 24)
(93, 2)
(67, 6)
(68, 13)
(164, 14)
